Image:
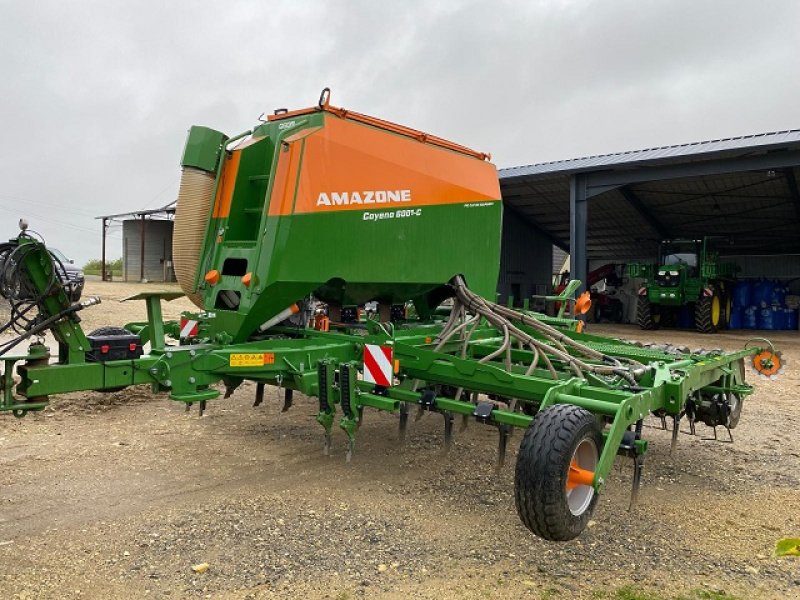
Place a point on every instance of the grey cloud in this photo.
(96, 97)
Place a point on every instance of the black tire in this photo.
(704, 313)
(646, 316)
(727, 310)
(735, 403)
(540, 479)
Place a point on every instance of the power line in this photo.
(17, 212)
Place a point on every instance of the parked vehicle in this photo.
(689, 274)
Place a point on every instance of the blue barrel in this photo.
(749, 319)
(766, 317)
(778, 317)
(686, 318)
(777, 295)
(790, 316)
(742, 294)
(762, 293)
(737, 319)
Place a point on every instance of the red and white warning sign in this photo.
(189, 328)
(378, 365)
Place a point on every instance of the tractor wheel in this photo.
(735, 403)
(647, 316)
(727, 310)
(555, 467)
(708, 313)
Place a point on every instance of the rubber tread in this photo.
(644, 314)
(733, 419)
(541, 471)
(702, 315)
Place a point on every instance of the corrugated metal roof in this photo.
(756, 210)
(758, 142)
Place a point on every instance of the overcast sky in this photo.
(96, 97)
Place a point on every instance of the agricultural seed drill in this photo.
(283, 234)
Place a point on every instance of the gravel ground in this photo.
(119, 495)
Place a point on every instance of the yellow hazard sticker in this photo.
(251, 359)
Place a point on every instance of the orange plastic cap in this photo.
(583, 303)
(212, 277)
(247, 278)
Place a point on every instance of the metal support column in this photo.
(141, 251)
(578, 221)
(103, 252)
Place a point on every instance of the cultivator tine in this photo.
(201, 407)
(288, 398)
(448, 430)
(326, 408)
(469, 397)
(676, 427)
(464, 423)
(716, 439)
(403, 426)
(349, 422)
(664, 422)
(638, 462)
(188, 406)
(505, 433)
(638, 468)
(259, 394)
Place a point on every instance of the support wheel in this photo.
(735, 403)
(708, 313)
(555, 470)
(647, 316)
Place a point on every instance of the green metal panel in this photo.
(203, 147)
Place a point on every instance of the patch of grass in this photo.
(709, 595)
(629, 592)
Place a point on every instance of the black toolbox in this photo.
(122, 345)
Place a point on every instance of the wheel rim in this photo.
(733, 405)
(715, 310)
(580, 475)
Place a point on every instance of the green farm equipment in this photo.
(286, 232)
(688, 274)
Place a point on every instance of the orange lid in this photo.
(212, 277)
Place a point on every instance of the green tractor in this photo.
(688, 274)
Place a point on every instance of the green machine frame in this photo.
(451, 376)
